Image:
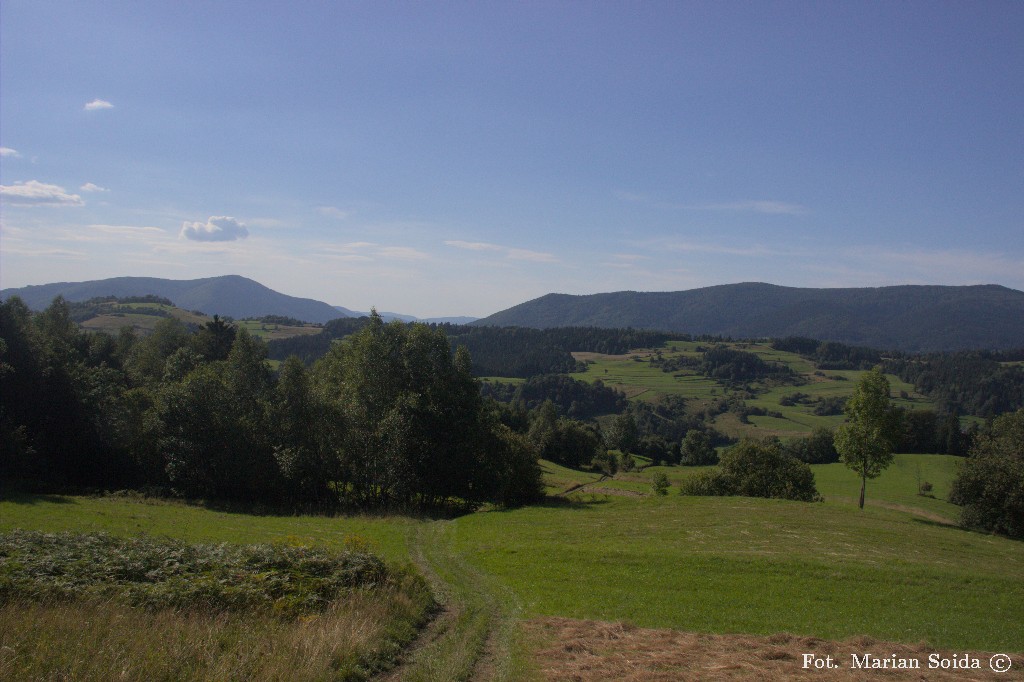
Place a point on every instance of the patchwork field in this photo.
(639, 378)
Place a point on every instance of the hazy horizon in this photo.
(459, 159)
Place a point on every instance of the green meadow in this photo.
(898, 570)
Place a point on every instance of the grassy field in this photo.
(271, 332)
(262, 615)
(636, 376)
(133, 315)
(740, 565)
(386, 536)
(608, 551)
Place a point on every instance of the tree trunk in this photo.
(863, 484)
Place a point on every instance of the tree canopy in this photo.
(865, 442)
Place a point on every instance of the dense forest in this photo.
(388, 418)
(366, 414)
(496, 351)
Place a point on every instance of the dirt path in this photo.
(474, 634)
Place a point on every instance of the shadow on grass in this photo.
(957, 526)
(19, 497)
(416, 512)
(557, 502)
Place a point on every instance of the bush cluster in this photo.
(163, 573)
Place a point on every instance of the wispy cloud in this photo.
(55, 253)
(402, 253)
(963, 266)
(762, 206)
(509, 252)
(98, 104)
(333, 212)
(753, 251)
(128, 229)
(216, 229)
(35, 193)
(90, 187)
(766, 207)
(624, 260)
(7, 152)
(370, 251)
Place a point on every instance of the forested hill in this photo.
(907, 318)
(230, 295)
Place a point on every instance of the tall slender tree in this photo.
(865, 442)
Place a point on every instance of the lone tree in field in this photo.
(865, 441)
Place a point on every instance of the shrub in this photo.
(660, 484)
(162, 573)
(757, 469)
(990, 483)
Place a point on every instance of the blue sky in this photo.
(458, 158)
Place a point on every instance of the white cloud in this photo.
(369, 251)
(98, 104)
(402, 253)
(333, 212)
(216, 229)
(473, 246)
(35, 193)
(90, 187)
(509, 252)
(8, 152)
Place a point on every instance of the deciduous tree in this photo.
(865, 442)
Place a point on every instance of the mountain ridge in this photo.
(914, 318)
(229, 295)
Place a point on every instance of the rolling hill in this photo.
(229, 295)
(908, 318)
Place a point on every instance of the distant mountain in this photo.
(909, 318)
(230, 295)
(387, 317)
(450, 320)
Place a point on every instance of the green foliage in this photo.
(565, 441)
(737, 367)
(968, 382)
(865, 442)
(623, 433)
(990, 483)
(415, 426)
(574, 398)
(756, 469)
(696, 449)
(817, 448)
(156, 574)
(660, 483)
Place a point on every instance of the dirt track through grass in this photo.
(474, 637)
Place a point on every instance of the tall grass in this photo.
(97, 607)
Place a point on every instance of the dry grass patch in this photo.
(592, 651)
(97, 640)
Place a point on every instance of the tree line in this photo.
(390, 417)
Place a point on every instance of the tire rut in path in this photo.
(471, 637)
